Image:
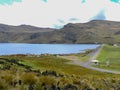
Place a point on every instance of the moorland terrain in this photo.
(51, 72)
(96, 31)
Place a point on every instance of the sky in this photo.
(57, 13)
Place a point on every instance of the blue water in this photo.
(14, 48)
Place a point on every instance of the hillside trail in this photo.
(75, 60)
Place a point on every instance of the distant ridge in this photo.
(96, 31)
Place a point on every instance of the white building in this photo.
(96, 62)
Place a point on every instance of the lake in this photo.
(15, 48)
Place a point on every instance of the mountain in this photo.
(23, 28)
(97, 31)
(20, 33)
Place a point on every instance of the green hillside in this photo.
(23, 72)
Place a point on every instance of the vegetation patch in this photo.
(51, 73)
(110, 57)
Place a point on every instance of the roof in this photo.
(94, 61)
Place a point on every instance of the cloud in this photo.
(83, 1)
(61, 21)
(45, 1)
(112, 12)
(56, 13)
(73, 19)
(116, 1)
(100, 16)
(58, 26)
(8, 2)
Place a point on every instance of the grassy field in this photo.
(52, 63)
(83, 56)
(52, 73)
(110, 54)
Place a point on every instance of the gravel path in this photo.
(93, 55)
(75, 60)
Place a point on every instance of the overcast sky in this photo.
(56, 13)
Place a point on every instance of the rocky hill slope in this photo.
(96, 31)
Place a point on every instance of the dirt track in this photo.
(75, 60)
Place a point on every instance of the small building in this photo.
(96, 62)
(115, 45)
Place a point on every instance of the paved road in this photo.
(75, 60)
(93, 55)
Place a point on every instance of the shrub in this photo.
(38, 87)
(70, 87)
(3, 85)
(48, 80)
(64, 81)
(9, 78)
(29, 78)
(52, 73)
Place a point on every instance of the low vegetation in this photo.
(84, 56)
(110, 57)
(22, 72)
